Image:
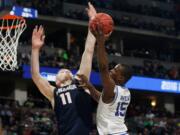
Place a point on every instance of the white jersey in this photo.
(110, 117)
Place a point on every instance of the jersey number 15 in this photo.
(121, 109)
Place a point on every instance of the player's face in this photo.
(116, 74)
(63, 76)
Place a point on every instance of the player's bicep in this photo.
(86, 65)
(108, 86)
(44, 87)
(86, 60)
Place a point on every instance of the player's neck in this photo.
(66, 83)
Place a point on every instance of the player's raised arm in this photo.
(86, 61)
(37, 42)
(107, 82)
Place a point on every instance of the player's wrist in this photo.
(36, 48)
(90, 86)
(100, 43)
(91, 17)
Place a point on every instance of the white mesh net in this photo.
(10, 32)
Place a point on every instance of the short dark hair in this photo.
(127, 72)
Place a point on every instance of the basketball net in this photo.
(11, 28)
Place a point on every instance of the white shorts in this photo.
(123, 133)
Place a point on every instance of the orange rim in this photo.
(12, 17)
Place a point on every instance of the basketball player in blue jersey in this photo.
(72, 104)
(115, 98)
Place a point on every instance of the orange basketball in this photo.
(104, 20)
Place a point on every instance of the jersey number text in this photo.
(121, 109)
(66, 98)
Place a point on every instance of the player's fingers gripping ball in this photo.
(105, 21)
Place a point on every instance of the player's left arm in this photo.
(86, 60)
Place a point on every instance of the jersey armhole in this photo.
(115, 97)
(53, 103)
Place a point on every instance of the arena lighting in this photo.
(153, 103)
(136, 82)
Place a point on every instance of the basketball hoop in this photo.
(11, 28)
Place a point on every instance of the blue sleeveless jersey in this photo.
(73, 109)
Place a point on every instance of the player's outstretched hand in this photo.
(100, 36)
(91, 11)
(83, 81)
(38, 37)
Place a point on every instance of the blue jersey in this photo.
(73, 109)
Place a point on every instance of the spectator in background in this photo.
(173, 73)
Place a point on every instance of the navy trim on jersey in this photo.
(116, 95)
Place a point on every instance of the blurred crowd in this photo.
(44, 7)
(33, 119)
(121, 5)
(54, 8)
(143, 120)
(157, 70)
(152, 53)
(128, 21)
(26, 119)
(63, 58)
(50, 56)
(51, 8)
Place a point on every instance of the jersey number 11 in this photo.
(66, 98)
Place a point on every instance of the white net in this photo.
(10, 32)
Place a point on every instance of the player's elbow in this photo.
(34, 72)
(35, 76)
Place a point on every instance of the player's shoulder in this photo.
(121, 89)
(119, 92)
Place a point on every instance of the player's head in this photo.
(63, 78)
(121, 73)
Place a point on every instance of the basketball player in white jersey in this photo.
(115, 98)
